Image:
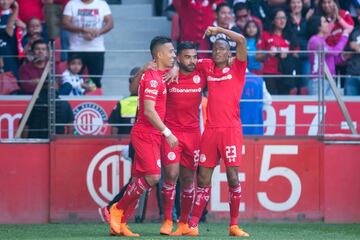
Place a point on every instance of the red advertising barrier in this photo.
(292, 178)
(24, 183)
(277, 177)
(91, 115)
(342, 183)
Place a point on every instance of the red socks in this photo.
(234, 197)
(133, 193)
(201, 198)
(129, 211)
(186, 202)
(168, 192)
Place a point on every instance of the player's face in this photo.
(221, 52)
(187, 60)
(167, 55)
(75, 66)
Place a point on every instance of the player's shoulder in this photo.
(151, 74)
(205, 61)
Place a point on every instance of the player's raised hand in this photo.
(172, 140)
(172, 75)
(210, 31)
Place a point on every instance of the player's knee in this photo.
(171, 177)
(233, 181)
(187, 181)
(204, 180)
(153, 179)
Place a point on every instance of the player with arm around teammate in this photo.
(182, 118)
(146, 135)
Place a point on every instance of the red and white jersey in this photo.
(183, 101)
(225, 87)
(151, 87)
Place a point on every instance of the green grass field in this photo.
(266, 231)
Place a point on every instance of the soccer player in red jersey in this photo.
(146, 135)
(222, 138)
(182, 118)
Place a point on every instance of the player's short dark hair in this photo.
(185, 45)
(224, 40)
(73, 57)
(241, 6)
(220, 6)
(38, 42)
(158, 41)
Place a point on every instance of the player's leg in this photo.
(168, 192)
(186, 199)
(187, 192)
(145, 173)
(170, 160)
(188, 166)
(231, 149)
(209, 156)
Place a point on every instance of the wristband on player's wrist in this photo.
(166, 132)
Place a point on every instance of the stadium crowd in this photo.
(77, 25)
(274, 28)
(281, 27)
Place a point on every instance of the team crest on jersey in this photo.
(171, 156)
(153, 83)
(196, 79)
(225, 70)
(90, 119)
(202, 158)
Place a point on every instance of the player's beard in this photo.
(187, 68)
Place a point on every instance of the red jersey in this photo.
(268, 42)
(337, 30)
(183, 101)
(29, 9)
(152, 88)
(195, 16)
(225, 88)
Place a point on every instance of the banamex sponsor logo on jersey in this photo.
(106, 171)
(90, 119)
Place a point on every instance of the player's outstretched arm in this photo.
(134, 85)
(155, 120)
(241, 48)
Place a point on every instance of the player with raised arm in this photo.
(222, 138)
(182, 118)
(146, 135)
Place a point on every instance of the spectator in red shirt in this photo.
(195, 17)
(338, 19)
(278, 40)
(30, 73)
